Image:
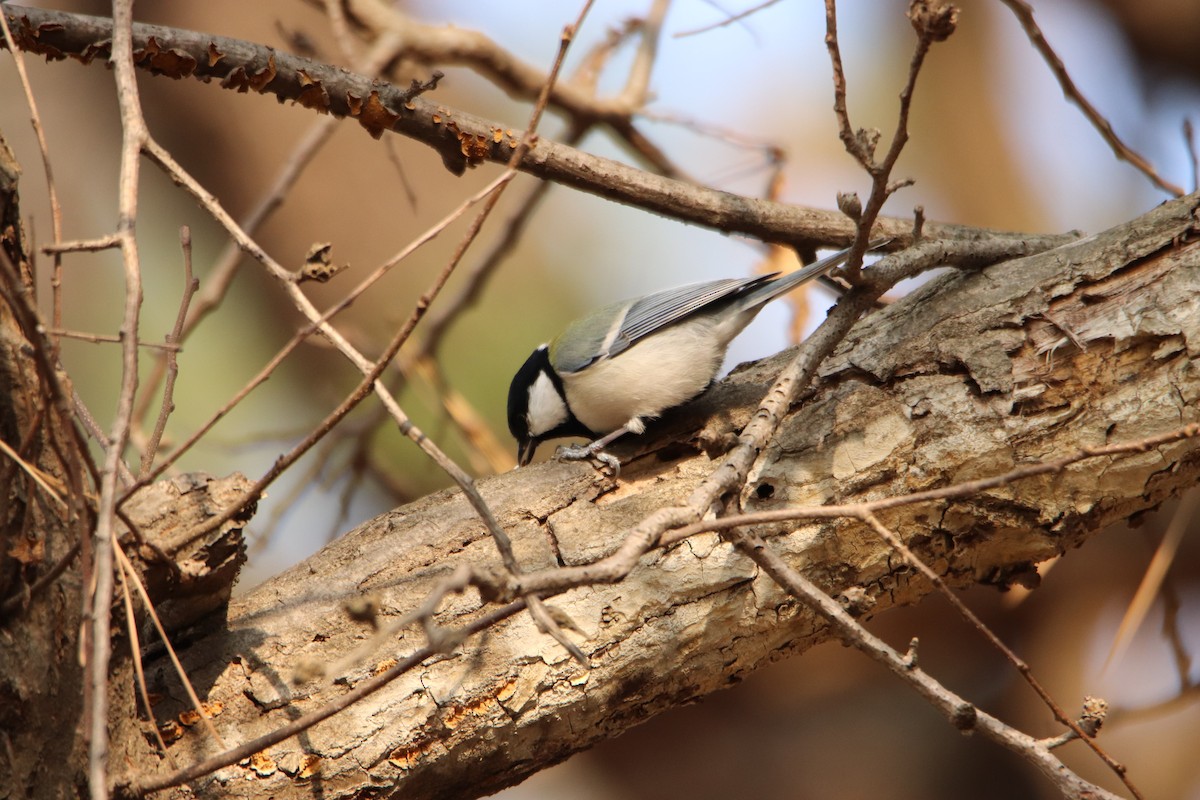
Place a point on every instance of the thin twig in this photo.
(56, 223)
(86, 418)
(1024, 14)
(105, 338)
(340, 28)
(135, 649)
(861, 144)
(133, 136)
(962, 714)
(194, 698)
(955, 491)
(39, 477)
(190, 286)
(1016, 661)
(729, 20)
(111, 241)
(1189, 138)
(486, 453)
(1171, 631)
(637, 84)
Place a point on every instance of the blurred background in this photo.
(993, 143)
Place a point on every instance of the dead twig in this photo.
(190, 286)
(1024, 14)
(426, 121)
(964, 715)
(133, 137)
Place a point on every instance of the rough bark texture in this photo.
(199, 578)
(40, 677)
(973, 374)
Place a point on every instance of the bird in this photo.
(611, 371)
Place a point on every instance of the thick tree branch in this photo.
(1092, 343)
(460, 138)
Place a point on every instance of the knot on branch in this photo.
(495, 584)
(856, 601)
(1095, 711)
(933, 20)
(965, 717)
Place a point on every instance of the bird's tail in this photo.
(786, 283)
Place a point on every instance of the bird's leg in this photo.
(595, 450)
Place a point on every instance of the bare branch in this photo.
(190, 286)
(221, 276)
(1024, 14)
(1189, 137)
(461, 138)
(133, 137)
(681, 637)
(729, 20)
(959, 712)
(51, 187)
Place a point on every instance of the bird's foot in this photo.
(590, 452)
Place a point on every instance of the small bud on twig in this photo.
(317, 264)
(849, 204)
(933, 20)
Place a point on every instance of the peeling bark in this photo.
(40, 707)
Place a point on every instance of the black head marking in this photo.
(535, 366)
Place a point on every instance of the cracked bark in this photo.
(972, 374)
(39, 708)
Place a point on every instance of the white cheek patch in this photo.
(547, 410)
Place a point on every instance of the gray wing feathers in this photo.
(660, 309)
(656, 311)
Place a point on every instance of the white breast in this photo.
(658, 373)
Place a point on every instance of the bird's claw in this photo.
(608, 460)
(600, 459)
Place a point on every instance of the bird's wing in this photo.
(656, 311)
(592, 338)
(611, 330)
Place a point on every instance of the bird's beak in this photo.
(525, 450)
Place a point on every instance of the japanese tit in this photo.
(611, 371)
